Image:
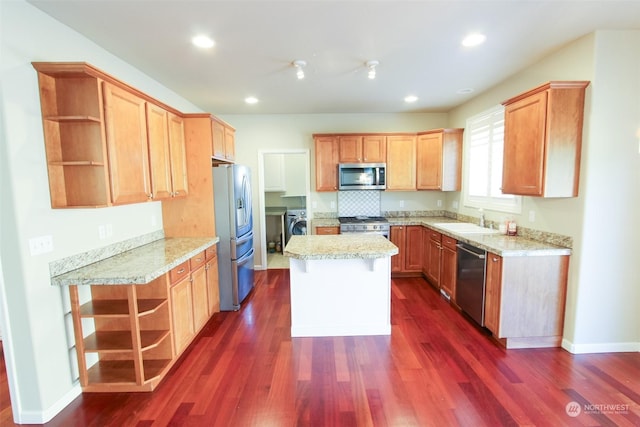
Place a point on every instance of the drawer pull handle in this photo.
(181, 271)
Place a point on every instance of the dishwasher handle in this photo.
(477, 255)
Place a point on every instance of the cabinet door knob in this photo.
(494, 259)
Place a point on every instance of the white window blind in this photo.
(484, 149)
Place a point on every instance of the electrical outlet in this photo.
(454, 205)
(532, 216)
(109, 230)
(439, 203)
(402, 203)
(41, 245)
(102, 232)
(333, 204)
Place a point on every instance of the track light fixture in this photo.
(299, 64)
(371, 65)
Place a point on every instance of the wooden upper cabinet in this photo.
(126, 132)
(439, 160)
(159, 155)
(74, 138)
(223, 143)
(106, 142)
(327, 157)
(401, 162)
(229, 143)
(362, 148)
(178, 156)
(350, 149)
(374, 148)
(543, 140)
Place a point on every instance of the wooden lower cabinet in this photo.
(408, 239)
(141, 330)
(199, 292)
(327, 230)
(398, 236)
(182, 313)
(493, 282)
(525, 299)
(213, 291)
(448, 264)
(433, 247)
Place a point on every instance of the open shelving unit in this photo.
(73, 122)
(131, 337)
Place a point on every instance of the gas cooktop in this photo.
(362, 219)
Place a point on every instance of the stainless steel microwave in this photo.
(362, 176)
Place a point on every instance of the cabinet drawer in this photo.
(197, 260)
(327, 230)
(210, 252)
(177, 273)
(448, 242)
(434, 235)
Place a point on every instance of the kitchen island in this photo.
(340, 284)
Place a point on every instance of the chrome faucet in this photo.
(481, 217)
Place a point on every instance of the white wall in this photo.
(294, 131)
(603, 301)
(34, 335)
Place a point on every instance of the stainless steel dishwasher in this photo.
(470, 282)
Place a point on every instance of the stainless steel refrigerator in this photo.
(234, 226)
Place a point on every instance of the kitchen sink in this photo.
(465, 228)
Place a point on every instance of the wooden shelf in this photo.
(120, 341)
(119, 308)
(122, 372)
(76, 163)
(74, 119)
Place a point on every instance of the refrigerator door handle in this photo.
(243, 239)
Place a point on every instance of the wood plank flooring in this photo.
(436, 369)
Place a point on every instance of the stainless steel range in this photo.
(364, 224)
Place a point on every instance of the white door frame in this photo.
(261, 210)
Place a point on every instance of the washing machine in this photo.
(296, 223)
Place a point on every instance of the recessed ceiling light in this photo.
(251, 100)
(464, 91)
(410, 98)
(202, 41)
(473, 39)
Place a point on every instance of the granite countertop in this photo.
(137, 266)
(326, 222)
(339, 246)
(500, 244)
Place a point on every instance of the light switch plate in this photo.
(41, 245)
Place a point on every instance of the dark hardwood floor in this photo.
(436, 369)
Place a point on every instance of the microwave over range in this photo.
(362, 176)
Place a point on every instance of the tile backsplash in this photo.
(359, 203)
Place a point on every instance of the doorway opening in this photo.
(283, 186)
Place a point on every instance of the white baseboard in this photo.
(41, 417)
(622, 347)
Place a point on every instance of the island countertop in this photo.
(137, 266)
(339, 246)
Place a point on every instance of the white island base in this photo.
(340, 297)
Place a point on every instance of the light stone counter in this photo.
(339, 246)
(500, 244)
(137, 266)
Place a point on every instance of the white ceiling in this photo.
(417, 44)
